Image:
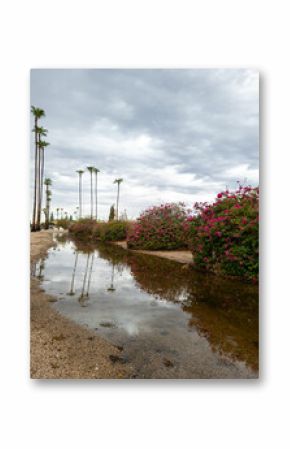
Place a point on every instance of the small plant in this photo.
(159, 227)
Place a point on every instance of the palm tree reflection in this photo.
(71, 292)
(90, 274)
(87, 280)
(40, 276)
(82, 299)
(111, 288)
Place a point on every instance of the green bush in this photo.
(113, 231)
(85, 229)
(91, 230)
(62, 223)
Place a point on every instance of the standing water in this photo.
(169, 320)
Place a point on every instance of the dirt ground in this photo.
(184, 256)
(59, 348)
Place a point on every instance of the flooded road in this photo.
(168, 320)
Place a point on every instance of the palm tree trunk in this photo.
(80, 195)
(35, 181)
(41, 176)
(96, 193)
(91, 195)
(118, 193)
(39, 186)
(47, 209)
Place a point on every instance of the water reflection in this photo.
(159, 307)
(72, 292)
(224, 311)
(82, 299)
(111, 288)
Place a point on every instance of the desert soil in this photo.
(59, 348)
(183, 256)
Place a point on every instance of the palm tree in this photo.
(118, 181)
(80, 172)
(61, 210)
(57, 212)
(47, 183)
(38, 114)
(41, 146)
(91, 170)
(96, 170)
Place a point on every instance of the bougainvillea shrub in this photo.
(159, 227)
(224, 236)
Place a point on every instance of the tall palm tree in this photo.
(38, 114)
(91, 170)
(61, 211)
(57, 212)
(80, 172)
(118, 181)
(41, 146)
(40, 132)
(47, 183)
(96, 170)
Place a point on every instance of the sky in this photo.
(171, 134)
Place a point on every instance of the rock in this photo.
(168, 363)
(185, 266)
(117, 359)
(108, 324)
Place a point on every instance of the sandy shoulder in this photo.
(183, 256)
(59, 348)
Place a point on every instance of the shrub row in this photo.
(90, 230)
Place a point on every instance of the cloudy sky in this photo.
(172, 135)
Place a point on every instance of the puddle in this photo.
(171, 322)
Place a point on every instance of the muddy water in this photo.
(168, 320)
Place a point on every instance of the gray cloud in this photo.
(171, 134)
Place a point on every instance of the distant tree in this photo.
(37, 114)
(123, 216)
(91, 170)
(47, 183)
(51, 217)
(96, 170)
(118, 181)
(70, 218)
(41, 146)
(80, 173)
(112, 213)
